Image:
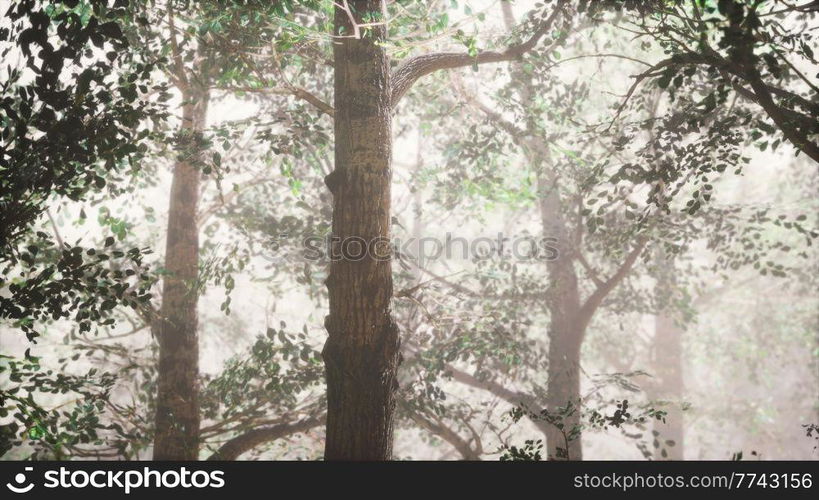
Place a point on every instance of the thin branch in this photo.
(291, 89)
(306, 96)
(494, 116)
(592, 272)
(407, 292)
(604, 55)
(445, 281)
(638, 79)
(54, 227)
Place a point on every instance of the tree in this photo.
(668, 358)
(199, 62)
(474, 356)
(206, 39)
(177, 407)
(569, 312)
(75, 113)
(759, 50)
(45, 117)
(362, 351)
(666, 174)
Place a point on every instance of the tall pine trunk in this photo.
(177, 405)
(361, 354)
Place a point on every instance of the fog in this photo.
(706, 323)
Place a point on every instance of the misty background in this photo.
(735, 292)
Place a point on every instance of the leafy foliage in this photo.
(51, 433)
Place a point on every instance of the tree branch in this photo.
(787, 120)
(785, 124)
(179, 66)
(242, 443)
(600, 293)
(289, 88)
(450, 436)
(293, 90)
(512, 397)
(593, 274)
(494, 116)
(408, 72)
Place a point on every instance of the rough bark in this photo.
(177, 405)
(361, 354)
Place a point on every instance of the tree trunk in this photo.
(566, 328)
(668, 371)
(361, 354)
(177, 404)
(668, 352)
(563, 395)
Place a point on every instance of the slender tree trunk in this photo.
(177, 405)
(668, 352)
(563, 393)
(361, 354)
(566, 330)
(668, 370)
